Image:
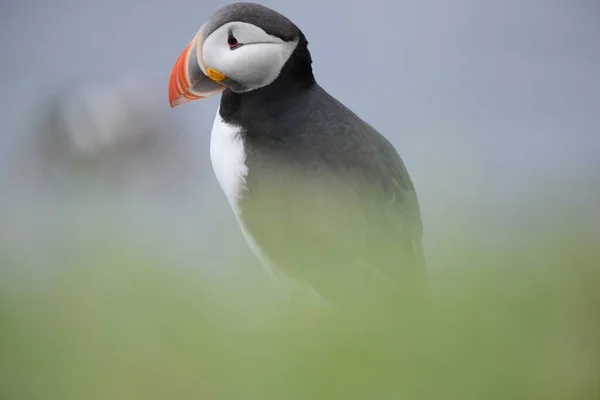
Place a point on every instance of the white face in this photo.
(248, 56)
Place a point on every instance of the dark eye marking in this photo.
(232, 41)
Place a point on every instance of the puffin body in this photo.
(323, 199)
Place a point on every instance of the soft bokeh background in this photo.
(123, 273)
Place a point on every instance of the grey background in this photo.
(494, 106)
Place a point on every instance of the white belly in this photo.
(228, 158)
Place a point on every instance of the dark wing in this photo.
(352, 230)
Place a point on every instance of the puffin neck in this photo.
(295, 78)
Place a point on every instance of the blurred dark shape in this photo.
(117, 133)
(90, 155)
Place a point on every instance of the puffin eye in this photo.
(232, 41)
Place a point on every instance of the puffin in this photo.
(323, 199)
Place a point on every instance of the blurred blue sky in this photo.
(489, 103)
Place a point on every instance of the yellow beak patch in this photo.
(215, 75)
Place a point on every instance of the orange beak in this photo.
(188, 82)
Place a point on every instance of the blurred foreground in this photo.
(123, 274)
(117, 322)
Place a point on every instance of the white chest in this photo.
(228, 159)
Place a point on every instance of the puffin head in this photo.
(242, 47)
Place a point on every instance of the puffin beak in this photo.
(188, 82)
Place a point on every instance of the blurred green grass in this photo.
(117, 323)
